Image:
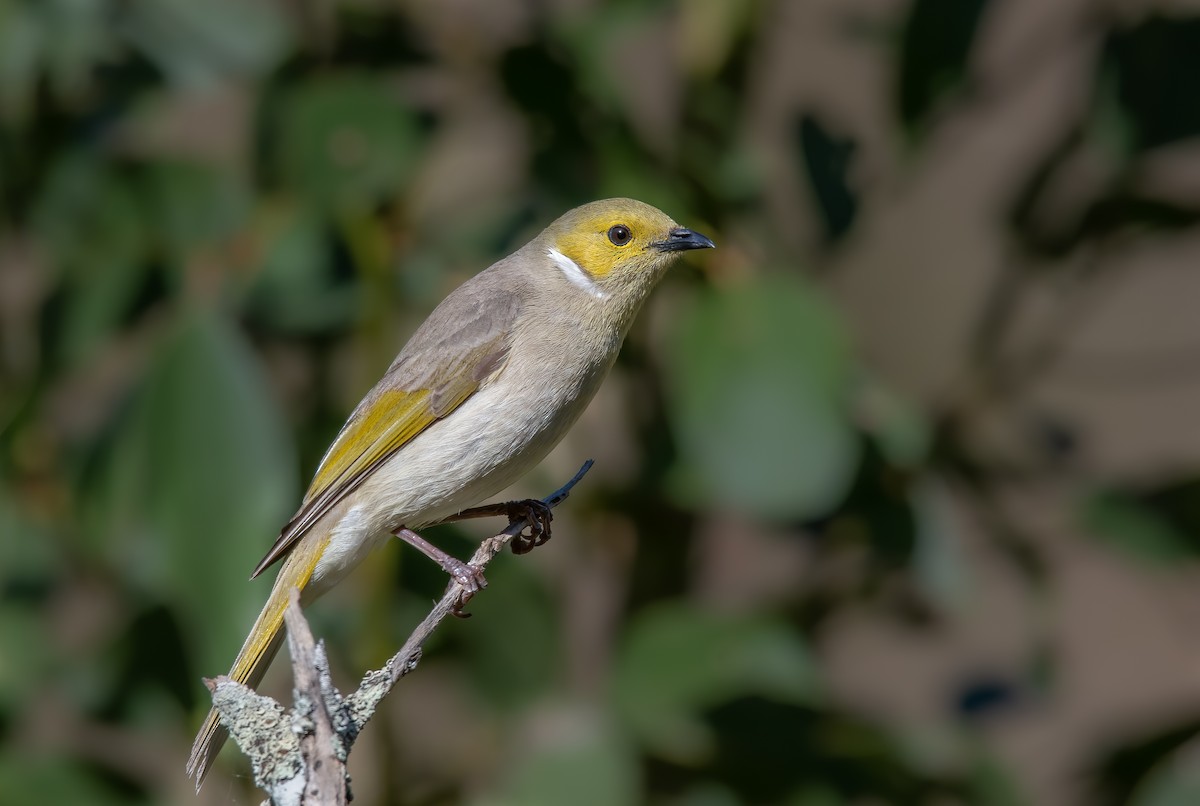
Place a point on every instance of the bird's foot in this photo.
(538, 514)
(469, 577)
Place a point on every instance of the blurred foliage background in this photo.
(896, 498)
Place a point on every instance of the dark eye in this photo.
(619, 234)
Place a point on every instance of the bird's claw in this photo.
(456, 609)
(539, 515)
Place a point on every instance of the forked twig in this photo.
(299, 757)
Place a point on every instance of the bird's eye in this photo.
(619, 234)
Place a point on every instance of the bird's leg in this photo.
(538, 513)
(467, 575)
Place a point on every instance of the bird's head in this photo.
(616, 249)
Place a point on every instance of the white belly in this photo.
(495, 437)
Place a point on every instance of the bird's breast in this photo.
(492, 439)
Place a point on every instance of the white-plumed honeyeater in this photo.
(486, 386)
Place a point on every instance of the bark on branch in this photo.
(299, 756)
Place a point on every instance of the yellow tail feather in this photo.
(255, 656)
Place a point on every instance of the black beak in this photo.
(681, 240)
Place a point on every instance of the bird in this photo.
(480, 393)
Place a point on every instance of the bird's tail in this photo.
(255, 656)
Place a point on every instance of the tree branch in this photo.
(299, 757)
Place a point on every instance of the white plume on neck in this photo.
(575, 274)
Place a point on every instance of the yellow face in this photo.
(615, 237)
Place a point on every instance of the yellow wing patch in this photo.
(461, 345)
(385, 423)
(390, 420)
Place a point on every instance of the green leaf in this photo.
(25, 656)
(583, 761)
(994, 783)
(594, 42)
(30, 566)
(707, 794)
(26, 778)
(678, 661)
(900, 429)
(345, 142)
(82, 40)
(710, 32)
(1134, 529)
(939, 568)
(1170, 785)
(89, 220)
(200, 44)
(296, 289)
(758, 379)
(1133, 770)
(87, 215)
(200, 476)
(23, 42)
(60, 42)
(514, 638)
(817, 795)
(192, 204)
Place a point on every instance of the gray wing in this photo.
(463, 342)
